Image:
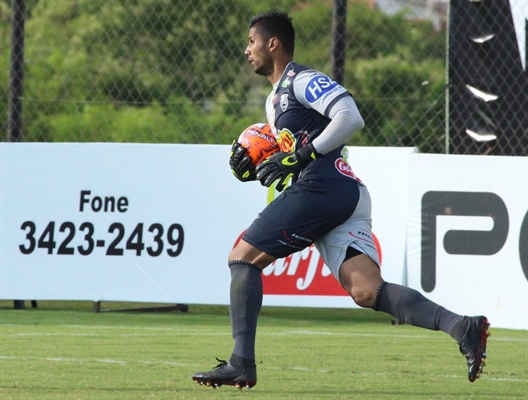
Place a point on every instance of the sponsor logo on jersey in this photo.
(291, 73)
(318, 86)
(286, 82)
(284, 102)
(345, 169)
(286, 140)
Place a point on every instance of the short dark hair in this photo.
(276, 23)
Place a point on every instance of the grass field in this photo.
(62, 350)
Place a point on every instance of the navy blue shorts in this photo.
(302, 214)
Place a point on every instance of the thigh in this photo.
(360, 273)
(361, 278)
(355, 232)
(243, 251)
(302, 214)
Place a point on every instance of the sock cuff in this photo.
(375, 306)
(241, 362)
(243, 263)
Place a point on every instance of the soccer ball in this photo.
(259, 142)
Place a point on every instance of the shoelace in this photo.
(222, 363)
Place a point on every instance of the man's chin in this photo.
(262, 72)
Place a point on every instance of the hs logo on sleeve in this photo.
(318, 86)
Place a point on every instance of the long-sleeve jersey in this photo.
(299, 109)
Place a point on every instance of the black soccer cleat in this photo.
(226, 373)
(473, 345)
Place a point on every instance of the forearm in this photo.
(346, 121)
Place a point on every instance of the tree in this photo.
(173, 71)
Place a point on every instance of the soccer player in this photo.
(326, 205)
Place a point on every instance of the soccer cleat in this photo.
(226, 373)
(473, 345)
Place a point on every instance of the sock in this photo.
(459, 330)
(410, 306)
(242, 362)
(244, 307)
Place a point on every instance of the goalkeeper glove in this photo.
(240, 163)
(283, 166)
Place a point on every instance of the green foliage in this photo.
(313, 35)
(174, 70)
(400, 96)
(397, 77)
(180, 121)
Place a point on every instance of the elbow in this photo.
(353, 119)
(355, 122)
(359, 124)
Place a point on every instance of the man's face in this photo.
(257, 53)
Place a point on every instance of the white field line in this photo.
(323, 333)
(29, 334)
(226, 332)
(177, 364)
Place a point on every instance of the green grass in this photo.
(62, 350)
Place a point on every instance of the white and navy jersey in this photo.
(297, 111)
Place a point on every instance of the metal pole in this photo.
(16, 80)
(339, 40)
(14, 117)
(447, 88)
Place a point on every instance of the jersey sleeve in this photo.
(313, 89)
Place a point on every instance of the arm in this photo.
(346, 121)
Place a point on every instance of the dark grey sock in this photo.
(244, 307)
(411, 306)
(242, 362)
(459, 330)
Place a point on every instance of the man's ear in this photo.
(273, 44)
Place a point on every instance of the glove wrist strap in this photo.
(307, 154)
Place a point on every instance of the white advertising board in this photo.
(124, 222)
(155, 223)
(468, 235)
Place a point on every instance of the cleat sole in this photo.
(214, 385)
(225, 373)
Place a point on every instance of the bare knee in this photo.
(243, 251)
(363, 296)
(360, 276)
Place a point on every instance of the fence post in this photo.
(16, 80)
(19, 304)
(339, 40)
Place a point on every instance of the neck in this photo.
(279, 66)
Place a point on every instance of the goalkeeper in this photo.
(326, 205)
